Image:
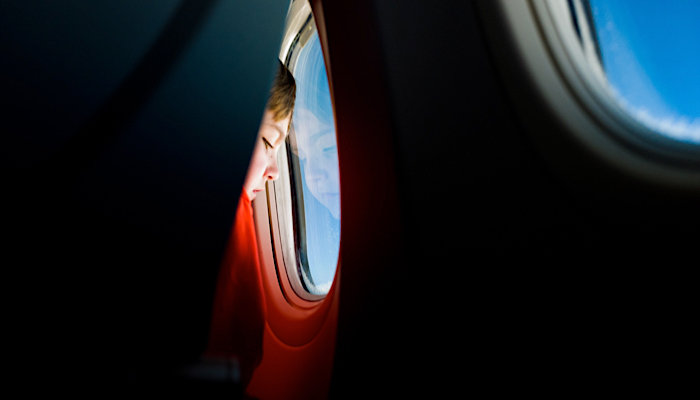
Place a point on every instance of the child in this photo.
(238, 314)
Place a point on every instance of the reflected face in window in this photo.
(318, 151)
(263, 163)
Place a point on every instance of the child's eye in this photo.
(267, 144)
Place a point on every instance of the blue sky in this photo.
(651, 56)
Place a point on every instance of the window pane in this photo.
(315, 166)
(651, 58)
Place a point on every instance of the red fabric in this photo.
(238, 314)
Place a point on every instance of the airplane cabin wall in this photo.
(127, 130)
(498, 271)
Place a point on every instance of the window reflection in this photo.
(319, 157)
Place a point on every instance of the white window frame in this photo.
(566, 76)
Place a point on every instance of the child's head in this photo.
(273, 130)
(282, 94)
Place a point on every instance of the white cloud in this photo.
(682, 128)
(324, 287)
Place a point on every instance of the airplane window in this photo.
(312, 160)
(647, 49)
(618, 76)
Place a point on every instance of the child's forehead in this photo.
(275, 131)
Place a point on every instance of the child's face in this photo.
(263, 163)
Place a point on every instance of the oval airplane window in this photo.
(627, 65)
(307, 195)
(649, 61)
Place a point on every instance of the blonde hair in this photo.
(283, 94)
